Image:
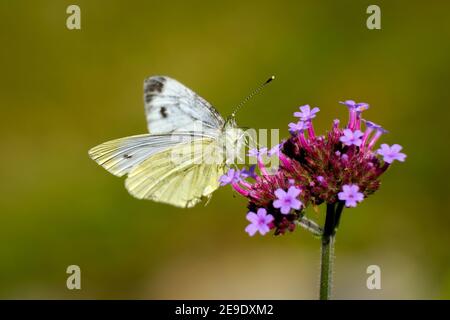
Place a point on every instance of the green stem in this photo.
(339, 208)
(326, 269)
(327, 256)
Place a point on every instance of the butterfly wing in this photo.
(119, 156)
(180, 176)
(170, 106)
(174, 113)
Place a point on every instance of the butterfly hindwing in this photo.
(178, 176)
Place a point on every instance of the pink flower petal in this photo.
(263, 229)
(251, 229)
(285, 209)
(269, 218)
(293, 191)
(280, 193)
(252, 217)
(261, 212)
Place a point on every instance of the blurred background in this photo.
(63, 92)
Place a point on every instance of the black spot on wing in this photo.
(148, 98)
(127, 156)
(154, 84)
(163, 112)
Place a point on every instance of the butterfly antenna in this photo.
(251, 95)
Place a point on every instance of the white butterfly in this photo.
(180, 123)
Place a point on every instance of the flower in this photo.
(351, 104)
(355, 110)
(274, 151)
(257, 153)
(248, 173)
(232, 176)
(306, 114)
(391, 153)
(361, 106)
(259, 222)
(351, 195)
(352, 137)
(372, 125)
(298, 127)
(287, 200)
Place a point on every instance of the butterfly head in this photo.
(234, 139)
(230, 122)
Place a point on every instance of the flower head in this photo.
(391, 153)
(257, 153)
(274, 151)
(232, 176)
(348, 103)
(248, 173)
(287, 200)
(306, 113)
(372, 125)
(298, 127)
(315, 169)
(321, 179)
(352, 137)
(351, 104)
(259, 222)
(351, 195)
(370, 128)
(361, 106)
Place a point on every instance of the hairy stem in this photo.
(327, 256)
(326, 268)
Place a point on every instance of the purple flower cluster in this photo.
(340, 169)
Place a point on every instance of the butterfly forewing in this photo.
(119, 156)
(171, 106)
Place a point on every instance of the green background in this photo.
(62, 92)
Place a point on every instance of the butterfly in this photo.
(189, 144)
